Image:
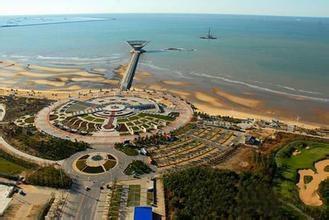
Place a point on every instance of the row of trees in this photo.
(206, 193)
(324, 191)
(206, 116)
(152, 140)
(19, 106)
(137, 167)
(42, 145)
(49, 177)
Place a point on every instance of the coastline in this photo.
(89, 93)
(63, 83)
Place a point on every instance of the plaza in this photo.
(121, 115)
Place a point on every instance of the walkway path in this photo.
(81, 204)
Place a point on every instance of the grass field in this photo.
(289, 164)
(115, 202)
(9, 167)
(130, 151)
(137, 167)
(134, 195)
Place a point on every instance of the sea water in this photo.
(279, 56)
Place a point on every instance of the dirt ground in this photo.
(239, 161)
(30, 205)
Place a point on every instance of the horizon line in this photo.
(164, 13)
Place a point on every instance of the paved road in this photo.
(81, 204)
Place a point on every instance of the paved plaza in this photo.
(114, 117)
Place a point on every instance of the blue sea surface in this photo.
(275, 55)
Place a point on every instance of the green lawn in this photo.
(288, 164)
(129, 151)
(29, 120)
(8, 167)
(162, 117)
(134, 195)
(89, 118)
(99, 120)
(137, 167)
(149, 198)
(122, 120)
(77, 107)
(115, 202)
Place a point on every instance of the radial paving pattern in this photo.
(115, 114)
(95, 163)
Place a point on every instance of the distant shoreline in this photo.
(163, 13)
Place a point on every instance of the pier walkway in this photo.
(130, 73)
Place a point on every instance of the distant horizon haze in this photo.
(294, 8)
(160, 13)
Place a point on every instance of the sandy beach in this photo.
(57, 83)
(18, 75)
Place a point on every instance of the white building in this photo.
(5, 193)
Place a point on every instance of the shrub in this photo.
(50, 177)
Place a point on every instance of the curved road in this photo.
(81, 204)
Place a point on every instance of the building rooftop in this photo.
(143, 213)
(137, 44)
(5, 192)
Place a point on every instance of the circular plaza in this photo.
(114, 116)
(95, 163)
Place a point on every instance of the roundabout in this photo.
(95, 163)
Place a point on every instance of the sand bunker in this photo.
(308, 192)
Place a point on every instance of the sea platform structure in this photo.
(128, 78)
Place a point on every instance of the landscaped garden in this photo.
(115, 202)
(11, 167)
(31, 141)
(143, 122)
(137, 167)
(20, 106)
(50, 177)
(134, 195)
(129, 150)
(95, 163)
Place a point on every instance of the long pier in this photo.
(128, 78)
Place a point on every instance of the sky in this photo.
(313, 8)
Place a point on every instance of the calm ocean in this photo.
(266, 55)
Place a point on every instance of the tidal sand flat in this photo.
(45, 77)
